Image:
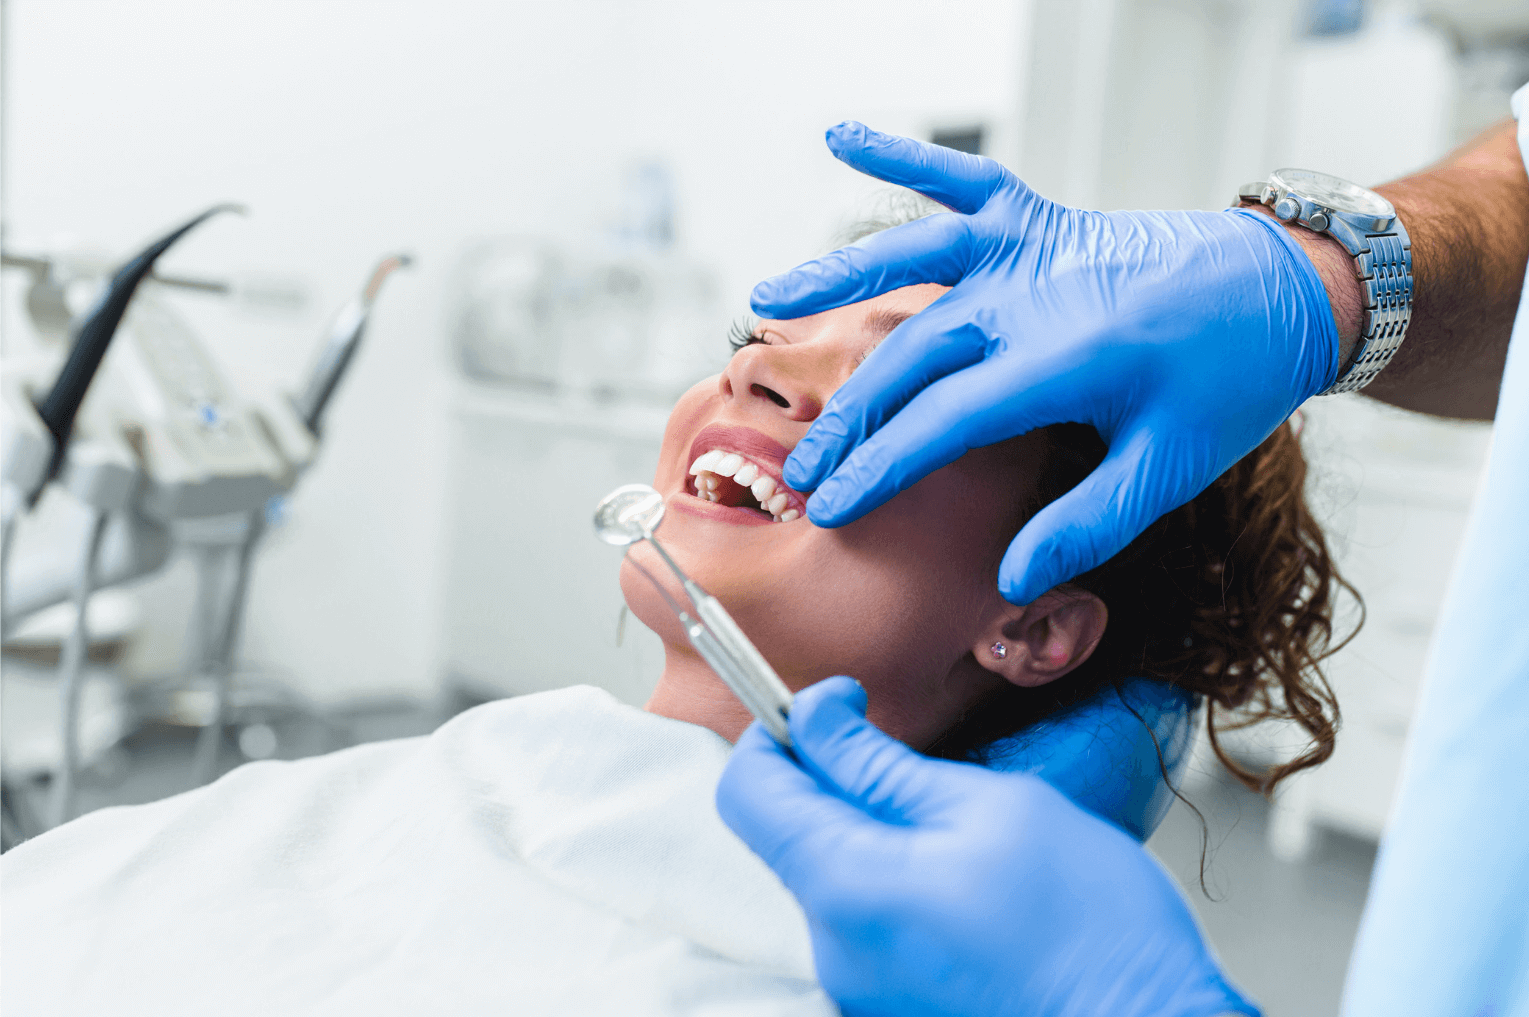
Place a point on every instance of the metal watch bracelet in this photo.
(1384, 267)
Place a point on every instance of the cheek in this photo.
(895, 599)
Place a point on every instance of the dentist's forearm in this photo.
(1468, 218)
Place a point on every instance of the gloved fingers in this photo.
(934, 344)
(1091, 523)
(870, 768)
(780, 810)
(929, 250)
(937, 426)
(956, 180)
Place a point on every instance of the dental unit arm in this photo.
(62, 403)
(164, 440)
(336, 353)
(133, 450)
(34, 454)
(171, 399)
(102, 471)
(38, 431)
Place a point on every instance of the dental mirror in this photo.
(628, 514)
(631, 513)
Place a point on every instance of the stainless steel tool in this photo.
(632, 513)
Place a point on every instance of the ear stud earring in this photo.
(999, 650)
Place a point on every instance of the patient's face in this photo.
(895, 599)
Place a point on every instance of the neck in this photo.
(690, 691)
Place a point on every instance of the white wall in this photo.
(1175, 103)
(352, 129)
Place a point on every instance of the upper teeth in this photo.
(717, 463)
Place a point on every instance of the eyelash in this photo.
(741, 334)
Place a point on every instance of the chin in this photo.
(645, 601)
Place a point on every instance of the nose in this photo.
(776, 379)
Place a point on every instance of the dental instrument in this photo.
(219, 637)
(632, 513)
(38, 429)
(62, 403)
(1119, 754)
(344, 336)
(39, 442)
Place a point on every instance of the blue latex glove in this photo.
(934, 887)
(1185, 338)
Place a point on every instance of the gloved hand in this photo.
(1184, 338)
(934, 887)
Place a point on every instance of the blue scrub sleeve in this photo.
(1446, 929)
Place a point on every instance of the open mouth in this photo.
(728, 478)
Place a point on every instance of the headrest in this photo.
(1103, 756)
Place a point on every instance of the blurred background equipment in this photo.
(40, 445)
(157, 442)
(341, 345)
(570, 354)
(581, 253)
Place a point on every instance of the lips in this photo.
(739, 469)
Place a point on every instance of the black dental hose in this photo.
(62, 403)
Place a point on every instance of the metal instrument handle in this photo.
(765, 685)
(712, 651)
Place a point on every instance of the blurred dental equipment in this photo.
(164, 452)
(569, 345)
(632, 513)
(39, 428)
(344, 337)
(59, 407)
(220, 629)
(38, 442)
(628, 314)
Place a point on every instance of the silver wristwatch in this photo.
(1368, 228)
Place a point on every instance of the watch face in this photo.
(1333, 192)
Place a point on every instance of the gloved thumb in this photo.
(850, 755)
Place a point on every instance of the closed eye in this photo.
(743, 332)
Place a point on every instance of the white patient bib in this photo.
(553, 854)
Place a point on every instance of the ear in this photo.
(1041, 641)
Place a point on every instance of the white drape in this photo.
(553, 854)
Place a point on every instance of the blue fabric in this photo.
(1103, 754)
(1446, 929)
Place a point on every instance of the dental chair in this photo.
(1104, 752)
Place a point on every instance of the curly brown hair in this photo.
(1230, 596)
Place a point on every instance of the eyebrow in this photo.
(879, 324)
